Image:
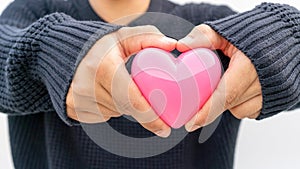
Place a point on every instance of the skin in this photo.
(98, 89)
(102, 88)
(112, 10)
(239, 89)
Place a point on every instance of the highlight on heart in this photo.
(174, 85)
(176, 88)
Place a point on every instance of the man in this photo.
(45, 54)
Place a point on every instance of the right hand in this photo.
(102, 87)
(240, 94)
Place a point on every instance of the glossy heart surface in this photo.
(176, 88)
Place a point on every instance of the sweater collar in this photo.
(86, 12)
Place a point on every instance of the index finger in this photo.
(134, 39)
(202, 36)
(235, 81)
(129, 100)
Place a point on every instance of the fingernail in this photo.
(193, 128)
(188, 126)
(191, 125)
(163, 133)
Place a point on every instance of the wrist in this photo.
(268, 35)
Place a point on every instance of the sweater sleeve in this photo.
(39, 55)
(270, 36)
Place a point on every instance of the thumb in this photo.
(202, 36)
(134, 39)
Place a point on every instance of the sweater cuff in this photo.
(269, 35)
(61, 42)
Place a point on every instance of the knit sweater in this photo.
(269, 36)
(40, 49)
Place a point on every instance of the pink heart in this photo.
(176, 88)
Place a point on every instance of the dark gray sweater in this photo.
(39, 51)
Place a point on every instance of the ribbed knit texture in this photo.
(38, 60)
(270, 36)
(39, 50)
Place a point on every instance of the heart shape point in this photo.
(176, 88)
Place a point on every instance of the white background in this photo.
(273, 143)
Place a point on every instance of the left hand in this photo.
(102, 87)
(239, 90)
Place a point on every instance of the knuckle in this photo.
(218, 104)
(103, 72)
(204, 29)
(155, 126)
(137, 103)
(91, 67)
(140, 104)
(200, 121)
(237, 113)
(124, 107)
(193, 34)
(105, 112)
(71, 114)
(81, 90)
(254, 116)
(230, 99)
(239, 116)
(87, 65)
(136, 99)
(102, 111)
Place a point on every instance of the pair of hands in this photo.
(102, 88)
